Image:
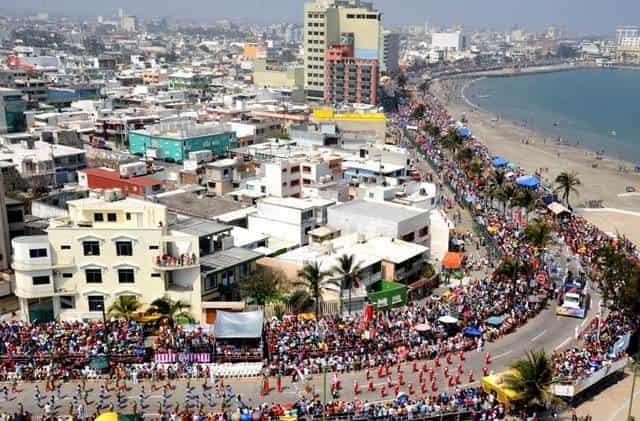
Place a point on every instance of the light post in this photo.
(634, 364)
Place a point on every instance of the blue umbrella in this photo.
(464, 132)
(472, 331)
(495, 320)
(528, 181)
(499, 161)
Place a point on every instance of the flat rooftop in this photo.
(198, 205)
(227, 259)
(199, 227)
(382, 210)
(297, 203)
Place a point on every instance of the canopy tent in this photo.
(247, 325)
(499, 161)
(528, 181)
(108, 416)
(464, 131)
(512, 166)
(472, 331)
(557, 208)
(449, 320)
(498, 383)
(452, 260)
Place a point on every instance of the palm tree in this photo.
(499, 178)
(531, 377)
(124, 307)
(464, 155)
(300, 301)
(513, 267)
(174, 310)
(504, 195)
(348, 270)
(567, 183)
(452, 140)
(434, 131)
(538, 234)
(475, 168)
(525, 198)
(312, 277)
(263, 286)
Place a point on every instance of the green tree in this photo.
(464, 155)
(538, 235)
(434, 131)
(174, 310)
(418, 112)
(453, 140)
(348, 270)
(263, 286)
(300, 301)
(526, 199)
(531, 377)
(499, 178)
(504, 195)
(315, 280)
(124, 307)
(475, 168)
(513, 268)
(566, 184)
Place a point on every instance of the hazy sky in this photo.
(599, 16)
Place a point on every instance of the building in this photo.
(324, 22)
(290, 218)
(382, 219)
(128, 23)
(348, 79)
(173, 141)
(222, 176)
(190, 81)
(5, 245)
(107, 178)
(12, 107)
(449, 41)
(33, 88)
(254, 51)
(390, 53)
(628, 44)
(104, 249)
(42, 164)
(286, 75)
(222, 271)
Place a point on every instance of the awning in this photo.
(528, 181)
(247, 325)
(472, 331)
(449, 320)
(499, 161)
(557, 208)
(464, 132)
(452, 260)
(495, 320)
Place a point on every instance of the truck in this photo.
(201, 156)
(574, 298)
(133, 169)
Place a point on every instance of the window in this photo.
(409, 237)
(67, 302)
(65, 247)
(35, 253)
(96, 302)
(155, 275)
(128, 216)
(124, 248)
(40, 280)
(67, 275)
(14, 216)
(125, 276)
(91, 248)
(111, 217)
(423, 231)
(154, 247)
(93, 276)
(98, 217)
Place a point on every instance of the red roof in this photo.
(110, 174)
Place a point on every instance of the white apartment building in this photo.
(449, 41)
(324, 22)
(390, 52)
(107, 247)
(628, 44)
(290, 218)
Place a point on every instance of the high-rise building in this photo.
(628, 44)
(128, 23)
(12, 108)
(5, 246)
(349, 79)
(449, 41)
(390, 52)
(324, 22)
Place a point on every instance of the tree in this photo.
(618, 277)
(475, 168)
(504, 195)
(531, 377)
(314, 279)
(263, 285)
(513, 268)
(538, 234)
(300, 301)
(349, 271)
(124, 307)
(424, 86)
(464, 155)
(452, 140)
(524, 198)
(567, 183)
(418, 112)
(434, 131)
(499, 178)
(174, 310)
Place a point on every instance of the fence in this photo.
(443, 416)
(327, 308)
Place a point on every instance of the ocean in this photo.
(597, 108)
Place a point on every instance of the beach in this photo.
(602, 180)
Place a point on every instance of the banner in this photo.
(169, 357)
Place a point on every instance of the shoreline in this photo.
(602, 179)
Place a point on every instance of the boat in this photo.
(482, 96)
(613, 133)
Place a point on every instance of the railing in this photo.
(171, 262)
(27, 265)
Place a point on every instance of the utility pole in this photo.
(634, 364)
(324, 391)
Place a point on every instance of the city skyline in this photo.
(593, 16)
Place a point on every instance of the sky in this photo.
(584, 16)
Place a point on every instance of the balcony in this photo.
(46, 264)
(167, 262)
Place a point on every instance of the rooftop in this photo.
(198, 205)
(381, 210)
(297, 203)
(199, 227)
(115, 175)
(41, 151)
(227, 259)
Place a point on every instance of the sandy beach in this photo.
(602, 179)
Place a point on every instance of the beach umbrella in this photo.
(464, 132)
(449, 320)
(499, 161)
(495, 320)
(528, 181)
(512, 166)
(472, 331)
(422, 327)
